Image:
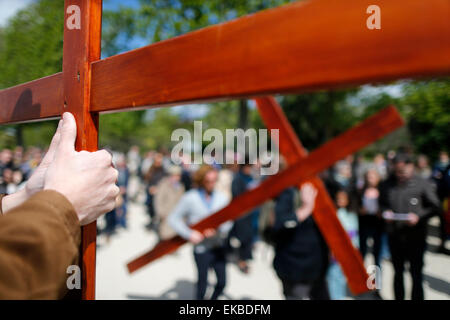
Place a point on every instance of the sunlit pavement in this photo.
(173, 276)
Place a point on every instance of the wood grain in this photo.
(36, 100)
(325, 212)
(370, 130)
(305, 46)
(300, 47)
(81, 47)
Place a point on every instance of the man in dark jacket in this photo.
(242, 234)
(301, 255)
(409, 194)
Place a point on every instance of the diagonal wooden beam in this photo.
(299, 47)
(370, 130)
(81, 47)
(325, 212)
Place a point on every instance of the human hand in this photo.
(308, 195)
(196, 237)
(86, 179)
(413, 219)
(388, 215)
(210, 232)
(36, 182)
(152, 190)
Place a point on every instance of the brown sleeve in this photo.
(37, 244)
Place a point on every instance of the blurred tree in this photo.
(427, 105)
(317, 117)
(30, 48)
(156, 20)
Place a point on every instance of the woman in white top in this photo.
(209, 246)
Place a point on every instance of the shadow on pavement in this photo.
(437, 284)
(183, 290)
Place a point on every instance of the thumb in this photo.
(68, 133)
(53, 145)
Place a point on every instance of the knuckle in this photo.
(115, 174)
(104, 156)
(110, 206)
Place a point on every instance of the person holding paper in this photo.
(407, 201)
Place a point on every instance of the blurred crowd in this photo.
(383, 203)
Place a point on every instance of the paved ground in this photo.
(173, 277)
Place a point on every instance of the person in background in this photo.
(337, 283)
(147, 163)
(133, 160)
(423, 169)
(5, 160)
(371, 224)
(406, 193)
(169, 192)
(17, 157)
(444, 191)
(381, 166)
(301, 255)
(186, 178)
(122, 183)
(242, 235)
(153, 176)
(225, 180)
(440, 177)
(341, 177)
(209, 245)
(440, 166)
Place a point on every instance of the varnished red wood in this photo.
(347, 143)
(325, 211)
(35, 100)
(82, 47)
(295, 48)
(300, 47)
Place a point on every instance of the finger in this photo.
(68, 133)
(53, 145)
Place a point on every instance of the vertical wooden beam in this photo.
(325, 211)
(82, 40)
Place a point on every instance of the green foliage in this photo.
(317, 117)
(427, 104)
(32, 43)
(156, 20)
(31, 48)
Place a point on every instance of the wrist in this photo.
(13, 200)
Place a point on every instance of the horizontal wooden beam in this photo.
(35, 100)
(370, 130)
(325, 212)
(309, 45)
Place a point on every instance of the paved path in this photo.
(173, 277)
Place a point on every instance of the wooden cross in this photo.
(302, 168)
(325, 212)
(310, 45)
